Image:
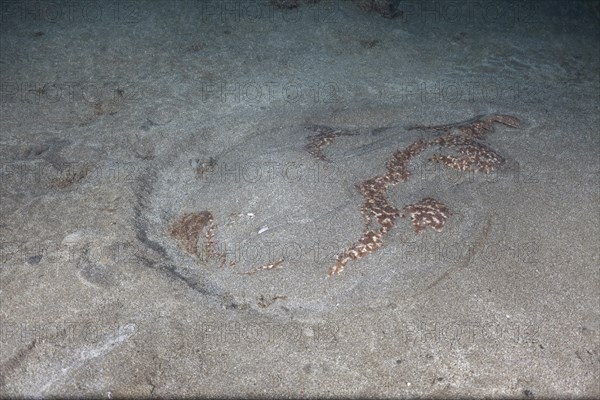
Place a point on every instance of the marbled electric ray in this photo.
(275, 213)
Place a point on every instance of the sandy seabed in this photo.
(182, 181)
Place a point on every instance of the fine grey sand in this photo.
(172, 223)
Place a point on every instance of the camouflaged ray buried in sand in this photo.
(460, 148)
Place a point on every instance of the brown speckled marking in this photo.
(187, 229)
(324, 136)
(427, 212)
(476, 127)
(472, 156)
(377, 206)
(277, 264)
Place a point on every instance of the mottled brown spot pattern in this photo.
(470, 155)
(427, 212)
(324, 137)
(386, 8)
(476, 127)
(376, 205)
(187, 230)
(71, 177)
(202, 167)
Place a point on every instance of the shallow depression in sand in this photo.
(280, 217)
